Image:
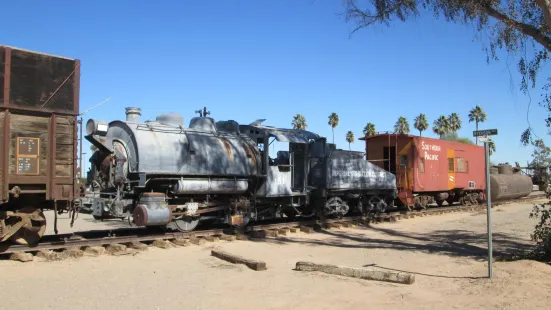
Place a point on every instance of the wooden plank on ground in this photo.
(361, 273)
(253, 264)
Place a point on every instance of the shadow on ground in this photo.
(456, 243)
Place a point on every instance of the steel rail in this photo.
(129, 235)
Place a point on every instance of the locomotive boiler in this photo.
(161, 173)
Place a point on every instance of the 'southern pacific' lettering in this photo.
(430, 147)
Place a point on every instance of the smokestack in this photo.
(133, 115)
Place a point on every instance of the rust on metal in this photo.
(227, 146)
(76, 88)
(250, 153)
(7, 76)
(236, 219)
(52, 159)
(6, 158)
(140, 215)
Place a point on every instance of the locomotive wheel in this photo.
(185, 225)
(290, 213)
(32, 229)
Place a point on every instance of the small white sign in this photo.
(483, 139)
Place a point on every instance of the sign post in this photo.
(483, 136)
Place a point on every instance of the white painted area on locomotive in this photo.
(277, 184)
(279, 179)
(191, 208)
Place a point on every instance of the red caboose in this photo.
(429, 170)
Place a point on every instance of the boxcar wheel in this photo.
(33, 228)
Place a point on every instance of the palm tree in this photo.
(491, 145)
(299, 122)
(455, 122)
(401, 126)
(369, 130)
(441, 126)
(477, 115)
(421, 123)
(349, 138)
(333, 122)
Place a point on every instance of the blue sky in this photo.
(247, 60)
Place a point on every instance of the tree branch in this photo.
(545, 6)
(366, 18)
(526, 29)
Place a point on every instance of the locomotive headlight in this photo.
(96, 127)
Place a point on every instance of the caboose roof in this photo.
(385, 134)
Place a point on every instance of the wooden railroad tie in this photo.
(234, 259)
(360, 273)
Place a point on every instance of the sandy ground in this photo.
(446, 252)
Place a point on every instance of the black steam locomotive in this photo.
(161, 173)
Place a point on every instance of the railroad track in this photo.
(131, 240)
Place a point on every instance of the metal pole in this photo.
(80, 142)
(489, 207)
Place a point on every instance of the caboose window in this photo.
(422, 165)
(461, 164)
(451, 165)
(404, 161)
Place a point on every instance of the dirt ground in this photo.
(446, 253)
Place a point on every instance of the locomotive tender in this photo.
(161, 173)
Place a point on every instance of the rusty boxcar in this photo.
(430, 170)
(39, 104)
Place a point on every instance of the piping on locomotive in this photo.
(160, 173)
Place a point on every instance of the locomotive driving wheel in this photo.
(185, 224)
(32, 226)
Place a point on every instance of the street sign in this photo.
(485, 132)
(483, 136)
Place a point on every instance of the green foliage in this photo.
(299, 122)
(369, 130)
(541, 161)
(455, 122)
(333, 122)
(421, 123)
(541, 155)
(477, 115)
(401, 126)
(349, 138)
(441, 126)
(492, 146)
(452, 136)
(542, 230)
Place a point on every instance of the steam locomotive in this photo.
(163, 174)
